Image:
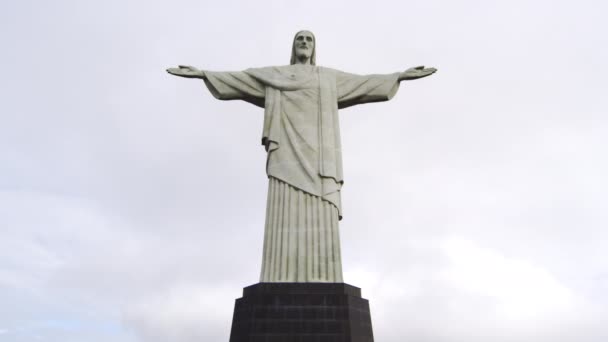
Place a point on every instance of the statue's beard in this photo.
(303, 53)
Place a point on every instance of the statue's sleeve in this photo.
(358, 89)
(236, 85)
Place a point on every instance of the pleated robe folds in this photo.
(304, 164)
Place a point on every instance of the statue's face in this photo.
(304, 44)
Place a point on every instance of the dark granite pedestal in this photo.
(301, 312)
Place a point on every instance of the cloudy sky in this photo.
(132, 202)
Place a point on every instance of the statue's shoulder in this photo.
(284, 76)
(285, 69)
(327, 70)
(270, 69)
(331, 71)
(269, 72)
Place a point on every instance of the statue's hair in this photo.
(313, 59)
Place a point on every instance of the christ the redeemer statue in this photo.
(301, 135)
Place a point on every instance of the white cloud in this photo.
(521, 289)
(187, 312)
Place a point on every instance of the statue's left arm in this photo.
(416, 73)
(358, 89)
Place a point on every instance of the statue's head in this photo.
(303, 46)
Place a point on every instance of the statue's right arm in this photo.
(229, 85)
(187, 72)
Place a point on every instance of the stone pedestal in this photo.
(301, 312)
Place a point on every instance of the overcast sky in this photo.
(132, 202)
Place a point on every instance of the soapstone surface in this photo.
(301, 135)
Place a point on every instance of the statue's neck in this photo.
(303, 60)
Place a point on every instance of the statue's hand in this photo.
(186, 71)
(416, 73)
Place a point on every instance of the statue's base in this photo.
(301, 312)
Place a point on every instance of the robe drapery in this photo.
(301, 135)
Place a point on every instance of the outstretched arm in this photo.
(358, 89)
(416, 73)
(230, 85)
(187, 72)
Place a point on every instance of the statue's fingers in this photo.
(420, 67)
(184, 66)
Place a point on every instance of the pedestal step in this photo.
(301, 312)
